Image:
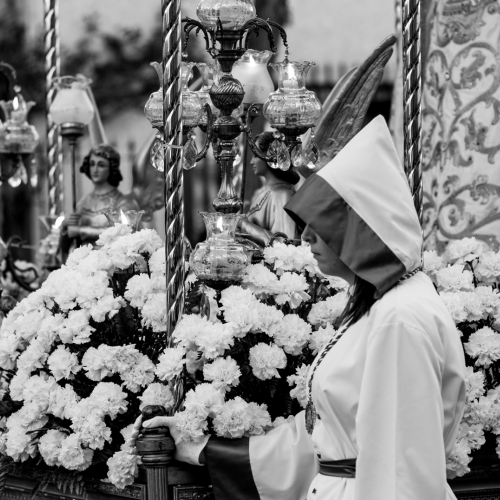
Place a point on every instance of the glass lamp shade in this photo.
(251, 70)
(154, 107)
(207, 72)
(192, 107)
(292, 105)
(17, 136)
(72, 103)
(219, 261)
(233, 14)
(130, 218)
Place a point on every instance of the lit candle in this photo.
(290, 84)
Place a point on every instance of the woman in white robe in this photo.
(389, 395)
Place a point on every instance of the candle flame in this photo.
(291, 73)
(15, 103)
(220, 225)
(124, 218)
(58, 222)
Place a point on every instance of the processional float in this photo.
(343, 115)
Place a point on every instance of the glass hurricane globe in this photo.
(233, 14)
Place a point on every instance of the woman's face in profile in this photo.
(99, 169)
(259, 166)
(328, 261)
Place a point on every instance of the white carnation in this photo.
(157, 394)
(474, 383)
(224, 373)
(233, 419)
(170, 363)
(123, 468)
(299, 392)
(154, 312)
(157, 262)
(109, 398)
(328, 310)
(454, 278)
(292, 289)
(259, 279)
(205, 400)
(321, 337)
(187, 330)
(61, 400)
(293, 335)
(17, 383)
(139, 288)
(73, 456)
(140, 375)
(92, 431)
(76, 328)
(266, 359)
(432, 263)
(77, 255)
(110, 235)
(63, 363)
(191, 426)
(464, 250)
(214, 339)
(484, 346)
(34, 357)
(95, 362)
(455, 305)
(487, 269)
(259, 420)
(9, 351)
(49, 446)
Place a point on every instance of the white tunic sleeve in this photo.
(277, 466)
(400, 418)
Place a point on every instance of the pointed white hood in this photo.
(360, 204)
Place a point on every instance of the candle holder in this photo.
(241, 81)
(72, 110)
(130, 218)
(18, 139)
(220, 260)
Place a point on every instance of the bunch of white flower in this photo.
(56, 342)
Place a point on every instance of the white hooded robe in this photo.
(391, 392)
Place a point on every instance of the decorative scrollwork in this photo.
(284, 36)
(247, 128)
(256, 24)
(208, 138)
(192, 24)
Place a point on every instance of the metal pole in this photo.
(174, 189)
(412, 120)
(52, 70)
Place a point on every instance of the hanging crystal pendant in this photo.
(189, 152)
(237, 154)
(279, 149)
(157, 154)
(310, 155)
(33, 174)
(20, 176)
(297, 158)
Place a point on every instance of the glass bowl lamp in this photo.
(292, 110)
(233, 14)
(219, 261)
(18, 139)
(130, 218)
(251, 70)
(72, 110)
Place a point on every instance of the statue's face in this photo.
(99, 169)
(259, 166)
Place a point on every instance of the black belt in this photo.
(338, 468)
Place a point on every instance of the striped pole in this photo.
(412, 119)
(174, 190)
(54, 140)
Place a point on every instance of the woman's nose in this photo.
(308, 235)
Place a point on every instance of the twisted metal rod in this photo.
(54, 140)
(174, 189)
(412, 119)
